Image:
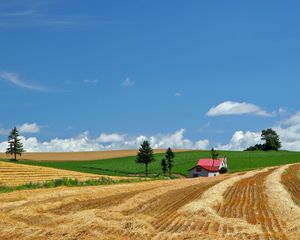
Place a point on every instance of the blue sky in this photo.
(149, 69)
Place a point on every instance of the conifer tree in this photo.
(15, 146)
(169, 155)
(164, 166)
(145, 155)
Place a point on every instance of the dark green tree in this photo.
(145, 155)
(256, 147)
(169, 155)
(271, 138)
(164, 166)
(272, 141)
(15, 146)
(214, 154)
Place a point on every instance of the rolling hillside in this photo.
(80, 156)
(124, 166)
(17, 174)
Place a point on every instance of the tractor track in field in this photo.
(101, 202)
(247, 200)
(163, 210)
(230, 207)
(291, 180)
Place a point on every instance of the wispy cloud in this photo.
(39, 14)
(91, 81)
(29, 128)
(178, 94)
(17, 14)
(127, 83)
(24, 128)
(15, 79)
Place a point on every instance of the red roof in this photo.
(210, 164)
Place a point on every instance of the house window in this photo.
(198, 169)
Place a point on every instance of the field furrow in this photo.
(291, 180)
(12, 174)
(230, 207)
(247, 200)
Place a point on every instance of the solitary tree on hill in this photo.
(15, 146)
(272, 140)
(145, 155)
(169, 155)
(164, 166)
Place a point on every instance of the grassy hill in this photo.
(238, 161)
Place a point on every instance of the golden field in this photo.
(80, 156)
(260, 204)
(17, 174)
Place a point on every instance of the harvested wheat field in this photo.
(17, 174)
(254, 205)
(81, 156)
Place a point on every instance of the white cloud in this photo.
(114, 137)
(3, 146)
(127, 83)
(294, 119)
(175, 140)
(15, 79)
(202, 144)
(241, 140)
(288, 131)
(24, 128)
(112, 141)
(29, 128)
(178, 94)
(237, 108)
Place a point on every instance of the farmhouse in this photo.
(208, 167)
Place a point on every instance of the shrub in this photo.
(223, 170)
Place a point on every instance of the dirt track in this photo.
(291, 180)
(81, 156)
(237, 206)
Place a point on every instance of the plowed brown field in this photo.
(231, 206)
(17, 174)
(291, 180)
(80, 156)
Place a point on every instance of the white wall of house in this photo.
(213, 174)
(201, 172)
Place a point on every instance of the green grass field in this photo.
(237, 161)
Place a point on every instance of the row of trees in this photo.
(145, 156)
